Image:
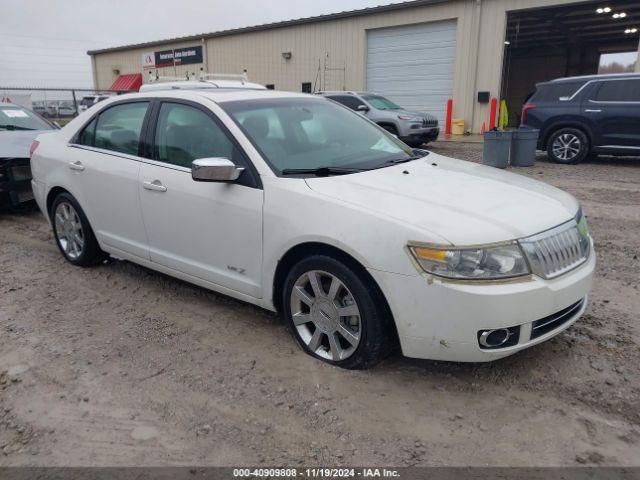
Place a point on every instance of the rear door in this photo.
(613, 106)
(208, 230)
(104, 160)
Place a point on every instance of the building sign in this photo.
(148, 60)
(169, 58)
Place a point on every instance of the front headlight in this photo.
(472, 263)
(409, 117)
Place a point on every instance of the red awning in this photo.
(130, 82)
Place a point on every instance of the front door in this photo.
(211, 231)
(104, 161)
(614, 109)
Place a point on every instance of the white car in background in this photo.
(299, 205)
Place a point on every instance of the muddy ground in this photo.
(118, 365)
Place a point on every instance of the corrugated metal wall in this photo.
(340, 45)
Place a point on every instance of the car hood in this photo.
(16, 143)
(463, 202)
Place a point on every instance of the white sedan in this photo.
(298, 205)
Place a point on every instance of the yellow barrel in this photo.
(457, 126)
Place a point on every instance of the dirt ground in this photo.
(118, 365)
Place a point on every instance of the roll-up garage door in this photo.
(413, 65)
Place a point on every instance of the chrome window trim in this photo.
(127, 156)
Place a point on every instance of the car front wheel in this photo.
(568, 146)
(335, 314)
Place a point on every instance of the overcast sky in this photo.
(44, 42)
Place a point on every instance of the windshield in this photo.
(381, 103)
(301, 133)
(16, 118)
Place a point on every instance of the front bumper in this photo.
(425, 135)
(440, 320)
(15, 182)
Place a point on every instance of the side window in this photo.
(119, 127)
(348, 101)
(185, 133)
(551, 92)
(87, 136)
(619, 91)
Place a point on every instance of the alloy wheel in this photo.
(566, 147)
(326, 315)
(69, 230)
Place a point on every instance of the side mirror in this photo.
(362, 108)
(215, 170)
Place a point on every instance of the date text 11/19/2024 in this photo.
(315, 472)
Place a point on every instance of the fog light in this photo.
(499, 337)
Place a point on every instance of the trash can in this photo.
(523, 147)
(497, 147)
(457, 126)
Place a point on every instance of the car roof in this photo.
(217, 95)
(200, 85)
(9, 104)
(342, 92)
(608, 76)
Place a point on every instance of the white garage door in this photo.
(413, 65)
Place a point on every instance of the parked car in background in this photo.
(89, 101)
(578, 116)
(39, 108)
(19, 126)
(66, 109)
(299, 205)
(413, 128)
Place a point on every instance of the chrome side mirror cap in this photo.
(363, 108)
(215, 170)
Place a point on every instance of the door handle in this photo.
(591, 110)
(156, 186)
(77, 165)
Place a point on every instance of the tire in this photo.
(568, 146)
(72, 232)
(354, 315)
(415, 143)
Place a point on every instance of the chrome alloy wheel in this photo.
(69, 230)
(566, 147)
(326, 315)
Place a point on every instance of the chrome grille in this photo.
(556, 251)
(429, 122)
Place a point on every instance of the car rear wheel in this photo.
(334, 313)
(568, 146)
(72, 232)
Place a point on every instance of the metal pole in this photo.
(75, 102)
(638, 58)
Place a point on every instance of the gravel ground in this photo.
(119, 365)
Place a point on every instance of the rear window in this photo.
(619, 91)
(551, 92)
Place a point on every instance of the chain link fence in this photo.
(55, 104)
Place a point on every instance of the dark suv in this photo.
(578, 116)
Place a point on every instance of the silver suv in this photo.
(413, 128)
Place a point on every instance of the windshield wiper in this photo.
(15, 127)
(321, 171)
(397, 161)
